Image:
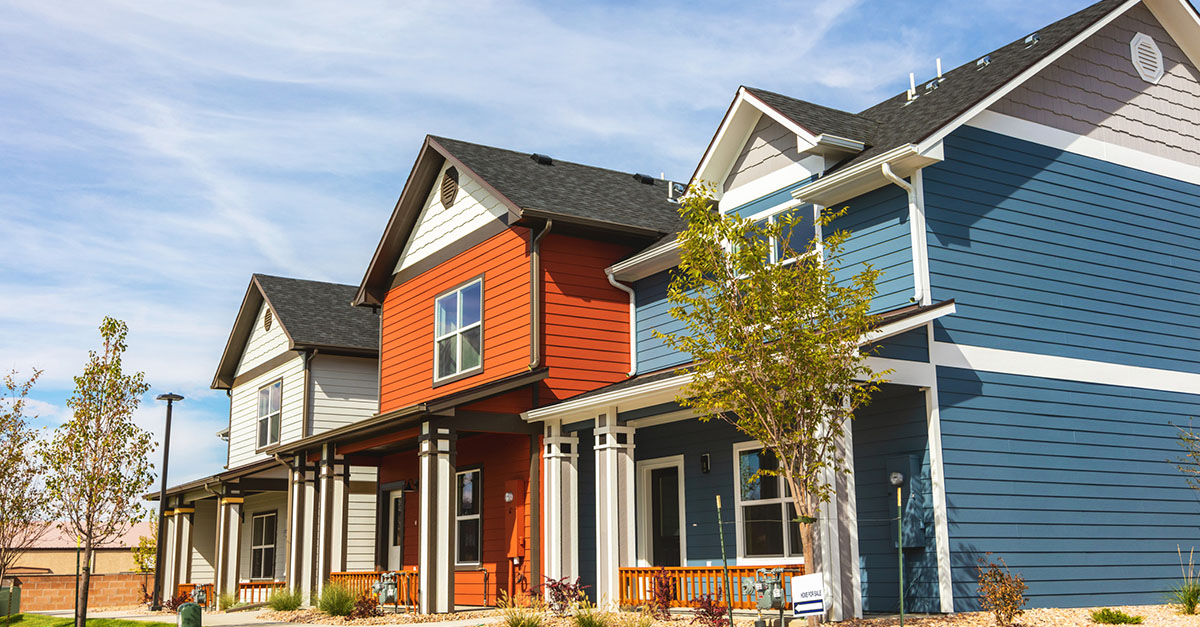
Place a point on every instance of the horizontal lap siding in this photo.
(586, 318)
(408, 320)
(1054, 253)
(361, 520)
(910, 346)
(345, 390)
(879, 235)
(653, 314)
(586, 478)
(893, 426)
(1073, 484)
(204, 541)
(243, 427)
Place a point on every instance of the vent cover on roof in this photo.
(1147, 58)
(267, 320)
(449, 187)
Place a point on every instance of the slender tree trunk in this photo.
(84, 581)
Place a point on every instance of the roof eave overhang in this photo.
(646, 263)
(588, 223)
(868, 175)
(247, 312)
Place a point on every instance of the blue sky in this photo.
(153, 155)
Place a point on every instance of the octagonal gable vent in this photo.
(1147, 58)
(449, 187)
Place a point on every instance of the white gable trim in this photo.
(1181, 23)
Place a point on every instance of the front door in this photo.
(395, 530)
(664, 516)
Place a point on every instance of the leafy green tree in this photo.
(776, 333)
(97, 460)
(23, 515)
(145, 552)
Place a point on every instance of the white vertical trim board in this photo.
(937, 477)
(645, 507)
(920, 240)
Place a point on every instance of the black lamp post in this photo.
(159, 546)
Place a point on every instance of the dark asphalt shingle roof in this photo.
(315, 313)
(896, 122)
(569, 189)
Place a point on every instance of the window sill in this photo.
(458, 377)
(471, 567)
(769, 561)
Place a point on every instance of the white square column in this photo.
(615, 522)
(300, 525)
(229, 533)
(183, 545)
(170, 561)
(331, 537)
(561, 468)
(436, 456)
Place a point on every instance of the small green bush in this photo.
(1109, 616)
(284, 600)
(521, 617)
(588, 616)
(1187, 593)
(336, 600)
(226, 601)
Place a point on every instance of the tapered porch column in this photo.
(436, 451)
(331, 555)
(183, 545)
(229, 533)
(561, 462)
(615, 522)
(300, 547)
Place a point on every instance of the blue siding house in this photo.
(1035, 214)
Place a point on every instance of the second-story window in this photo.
(458, 334)
(268, 413)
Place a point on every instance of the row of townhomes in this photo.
(490, 407)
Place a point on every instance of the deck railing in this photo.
(210, 598)
(688, 584)
(257, 591)
(359, 583)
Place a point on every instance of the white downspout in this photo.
(913, 220)
(632, 320)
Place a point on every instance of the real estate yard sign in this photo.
(808, 595)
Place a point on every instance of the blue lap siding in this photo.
(1055, 253)
(1072, 483)
(910, 346)
(879, 236)
(653, 312)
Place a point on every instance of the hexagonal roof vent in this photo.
(1147, 58)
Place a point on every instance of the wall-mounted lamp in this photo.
(508, 497)
(705, 463)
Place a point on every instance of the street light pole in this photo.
(159, 543)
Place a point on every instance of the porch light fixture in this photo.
(156, 599)
(705, 463)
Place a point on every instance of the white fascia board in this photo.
(738, 124)
(647, 262)
(909, 323)
(866, 176)
(995, 96)
(831, 144)
(1181, 23)
(636, 397)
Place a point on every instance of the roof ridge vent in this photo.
(983, 62)
(644, 179)
(541, 159)
(1032, 39)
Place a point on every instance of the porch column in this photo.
(183, 544)
(436, 452)
(170, 564)
(300, 550)
(561, 458)
(615, 522)
(332, 521)
(229, 542)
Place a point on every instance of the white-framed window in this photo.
(262, 546)
(269, 397)
(468, 525)
(803, 231)
(458, 331)
(767, 531)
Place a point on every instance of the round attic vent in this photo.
(267, 320)
(449, 187)
(1147, 58)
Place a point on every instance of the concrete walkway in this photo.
(249, 618)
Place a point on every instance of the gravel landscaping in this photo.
(1154, 615)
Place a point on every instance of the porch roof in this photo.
(221, 477)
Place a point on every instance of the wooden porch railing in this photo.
(257, 591)
(687, 584)
(210, 597)
(359, 583)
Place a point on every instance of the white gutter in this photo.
(647, 262)
(608, 272)
(913, 222)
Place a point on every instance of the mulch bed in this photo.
(1154, 615)
(314, 616)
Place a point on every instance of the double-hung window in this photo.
(767, 524)
(468, 530)
(458, 335)
(268, 413)
(262, 551)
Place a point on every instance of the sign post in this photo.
(808, 595)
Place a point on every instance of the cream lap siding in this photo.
(243, 434)
(769, 148)
(345, 390)
(262, 345)
(259, 504)
(1095, 91)
(360, 521)
(204, 541)
(439, 226)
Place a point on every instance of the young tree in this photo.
(23, 515)
(775, 330)
(98, 459)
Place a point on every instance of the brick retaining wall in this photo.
(57, 592)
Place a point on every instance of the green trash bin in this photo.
(5, 609)
(190, 615)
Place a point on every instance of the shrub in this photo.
(521, 611)
(709, 612)
(226, 601)
(336, 600)
(662, 592)
(588, 616)
(366, 606)
(284, 600)
(1186, 594)
(172, 604)
(562, 594)
(1109, 616)
(1000, 592)
(642, 618)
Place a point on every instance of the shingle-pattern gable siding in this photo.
(879, 236)
(1055, 253)
(1072, 483)
(439, 226)
(770, 148)
(1095, 91)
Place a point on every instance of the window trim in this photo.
(259, 447)
(274, 546)
(462, 374)
(742, 559)
(477, 516)
(771, 213)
